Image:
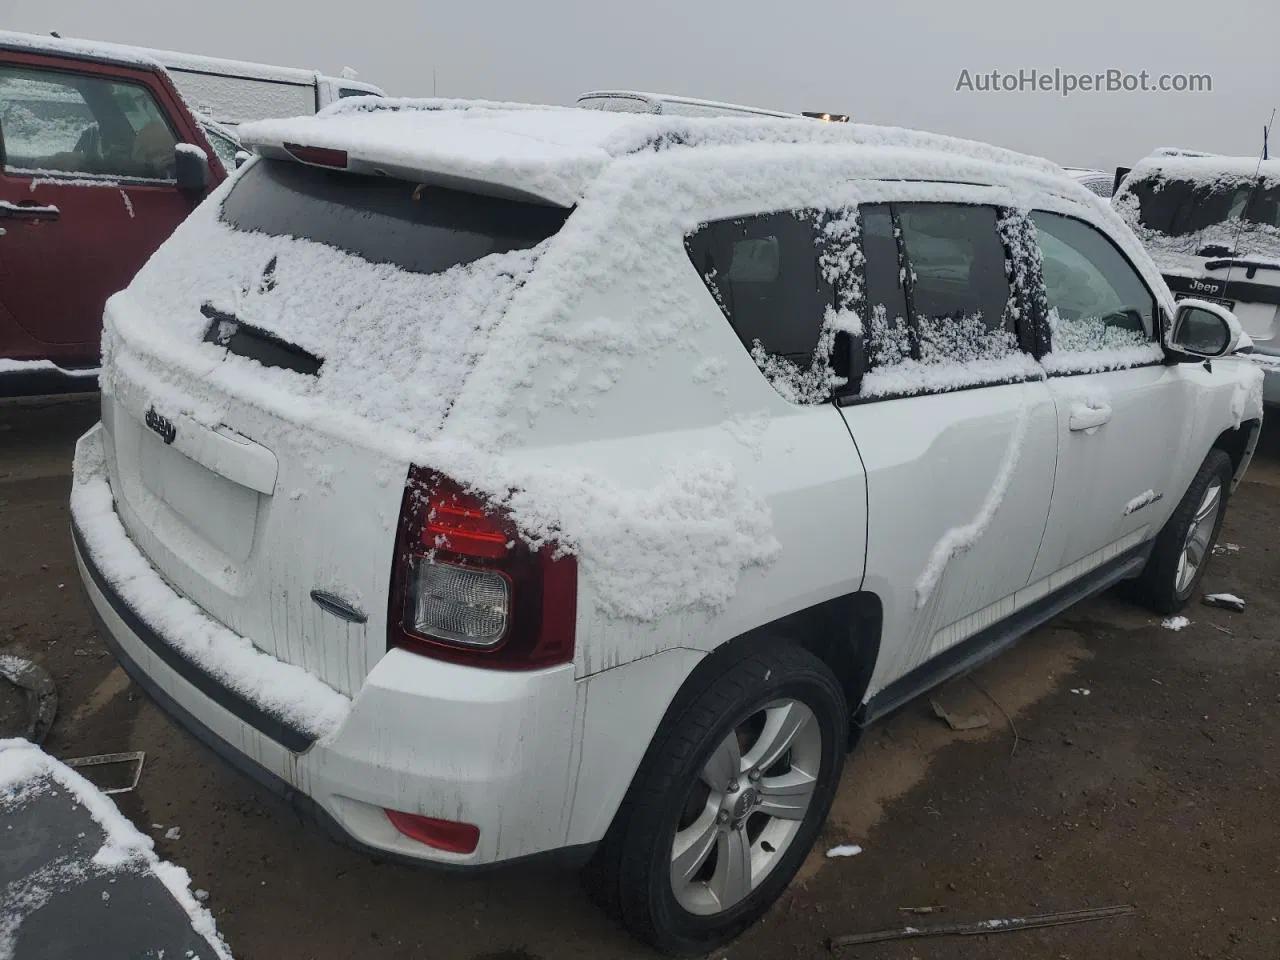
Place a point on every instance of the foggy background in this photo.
(896, 64)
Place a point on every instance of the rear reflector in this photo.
(319, 156)
(448, 835)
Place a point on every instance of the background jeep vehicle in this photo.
(1212, 225)
(99, 160)
(580, 483)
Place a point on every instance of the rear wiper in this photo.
(1252, 265)
(228, 331)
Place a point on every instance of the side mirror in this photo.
(1121, 173)
(242, 157)
(190, 167)
(1203, 330)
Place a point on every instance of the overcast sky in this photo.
(885, 63)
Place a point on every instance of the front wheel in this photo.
(727, 802)
(1183, 548)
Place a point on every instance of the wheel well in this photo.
(844, 633)
(1236, 442)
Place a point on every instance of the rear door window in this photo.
(939, 312)
(764, 273)
(55, 122)
(419, 228)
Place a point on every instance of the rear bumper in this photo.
(490, 748)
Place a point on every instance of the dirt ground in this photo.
(1157, 787)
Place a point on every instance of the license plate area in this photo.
(1229, 304)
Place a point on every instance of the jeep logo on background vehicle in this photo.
(1207, 286)
(161, 425)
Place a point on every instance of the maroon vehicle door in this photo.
(86, 195)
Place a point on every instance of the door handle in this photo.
(18, 211)
(1088, 418)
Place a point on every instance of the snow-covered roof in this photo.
(171, 59)
(1204, 166)
(80, 49)
(553, 153)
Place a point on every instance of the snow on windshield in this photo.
(1206, 207)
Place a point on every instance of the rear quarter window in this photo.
(419, 228)
(764, 273)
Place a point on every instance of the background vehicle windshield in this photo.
(1176, 207)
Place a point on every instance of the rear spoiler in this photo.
(297, 153)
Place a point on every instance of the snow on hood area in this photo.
(25, 769)
(453, 370)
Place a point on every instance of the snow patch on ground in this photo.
(285, 690)
(844, 850)
(25, 767)
(1175, 623)
(959, 539)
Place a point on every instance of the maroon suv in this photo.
(93, 177)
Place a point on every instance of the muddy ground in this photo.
(1159, 788)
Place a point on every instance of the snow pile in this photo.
(953, 354)
(25, 769)
(1175, 623)
(1102, 360)
(287, 691)
(680, 544)
(959, 539)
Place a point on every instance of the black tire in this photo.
(630, 875)
(1157, 586)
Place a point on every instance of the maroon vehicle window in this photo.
(87, 193)
(69, 123)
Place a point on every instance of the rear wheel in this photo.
(727, 803)
(1183, 548)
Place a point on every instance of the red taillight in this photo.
(320, 156)
(457, 523)
(467, 589)
(448, 835)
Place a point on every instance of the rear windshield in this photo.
(418, 228)
(1176, 207)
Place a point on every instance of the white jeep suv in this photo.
(502, 482)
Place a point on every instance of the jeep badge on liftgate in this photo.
(161, 425)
